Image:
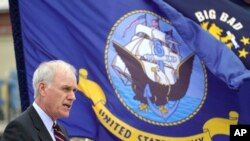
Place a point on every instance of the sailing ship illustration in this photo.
(152, 65)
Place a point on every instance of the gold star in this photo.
(243, 53)
(245, 40)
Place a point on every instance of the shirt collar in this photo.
(47, 121)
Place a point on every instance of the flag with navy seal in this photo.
(146, 73)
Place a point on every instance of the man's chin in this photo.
(65, 114)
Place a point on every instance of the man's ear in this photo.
(42, 88)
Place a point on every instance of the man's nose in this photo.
(72, 95)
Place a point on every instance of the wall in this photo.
(7, 56)
(7, 68)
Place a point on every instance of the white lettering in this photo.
(243, 131)
(224, 16)
(205, 15)
(231, 21)
(199, 16)
(239, 132)
(238, 26)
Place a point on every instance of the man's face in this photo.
(58, 97)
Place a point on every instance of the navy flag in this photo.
(142, 77)
(227, 20)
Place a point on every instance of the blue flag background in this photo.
(83, 34)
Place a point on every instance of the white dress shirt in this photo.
(47, 121)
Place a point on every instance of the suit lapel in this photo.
(42, 132)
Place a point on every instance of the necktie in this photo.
(59, 136)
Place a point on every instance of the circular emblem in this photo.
(153, 72)
(158, 49)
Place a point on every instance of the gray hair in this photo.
(46, 72)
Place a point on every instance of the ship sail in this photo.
(151, 47)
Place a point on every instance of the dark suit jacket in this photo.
(28, 127)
